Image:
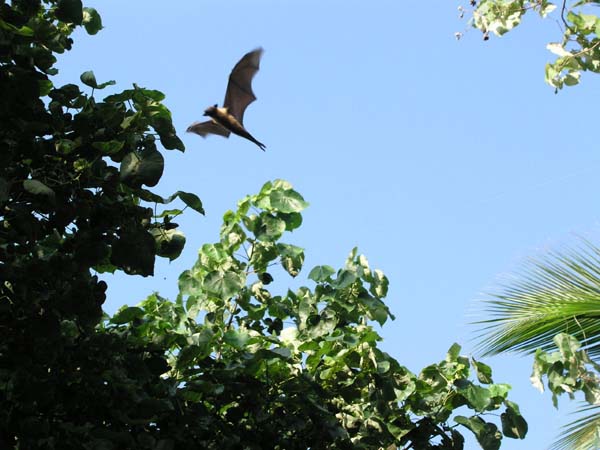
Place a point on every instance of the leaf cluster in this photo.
(303, 368)
(578, 51)
(75, 172)
(569, 370)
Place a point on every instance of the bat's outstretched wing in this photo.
(239, 89)
(208, 127)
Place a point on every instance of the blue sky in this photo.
(446, 162)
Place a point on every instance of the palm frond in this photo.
(581, 434)
(559, 292)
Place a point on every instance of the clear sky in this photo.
(446, 162)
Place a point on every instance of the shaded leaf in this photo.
(127, 314)
(236, 338)
(269, 228)
(108, 148)
(483, 371)
(38, 188)
(513, 424)
(70, 11)
(344, 279)
(22, 31)
(88, 78)
(487, 434)
(191, 200)
(169, 243)
(292, 258)
(478, 397)
(91, 20)
(134, 252)
(139, 168)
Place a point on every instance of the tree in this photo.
(578, 50)
(229, 363)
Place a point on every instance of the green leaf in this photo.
(236, 338)
(171, 141)
(513, 424)
(321, 274)
(484, 372)
(139, 168)
(199, 350)
(224, 284)
(191, 200)
(453, 352)
(379, 284)
(36, 187)
(383, 366)
(109, 147)
(69, 11)
(344, 279)
(152, 94)
(91, 20)
(127, 314)
(65, 146)
(292, 258)
(169, 243)
(88, 78)
(287, 201)
(22, 31)
(572, 78)
(487, 434)
(321, 324)
(478, 397)
(269, 228)
(292, 220)
(265, 278)
(45, 87)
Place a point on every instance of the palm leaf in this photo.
(581, 434)
(559, 292)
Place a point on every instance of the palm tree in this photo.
(556, 293)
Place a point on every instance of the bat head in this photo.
(210, 111)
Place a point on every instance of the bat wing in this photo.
(208, 127)
(239, 89)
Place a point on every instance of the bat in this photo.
(230, 118)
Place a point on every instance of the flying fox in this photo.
(229, 119)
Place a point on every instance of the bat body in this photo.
(229, 118)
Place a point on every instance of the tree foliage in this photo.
(301, 369)
(578, 49)
(230, 363)
(73, 172)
